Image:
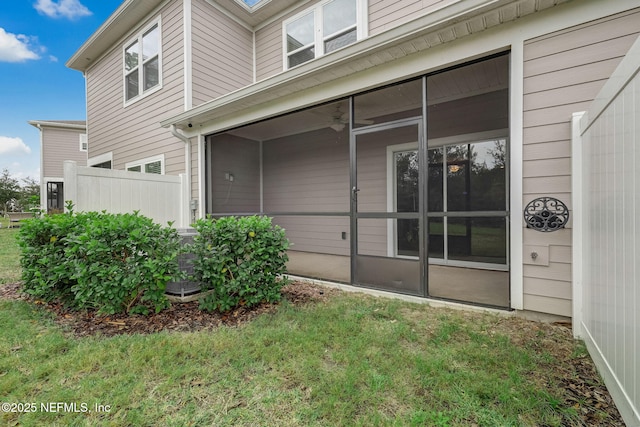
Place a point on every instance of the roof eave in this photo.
(439, 19)
(126, 17)
(51, 123)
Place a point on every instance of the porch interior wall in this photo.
(563, 72)
(240, 158)
(306, 173)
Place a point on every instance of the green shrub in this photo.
(112, 263)
(240, 260)
(47, 270)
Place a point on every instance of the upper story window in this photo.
(326, 27)
(142, 63)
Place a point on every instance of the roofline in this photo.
(127, 16)
(117, 25)
(51, 123)
(436, 20)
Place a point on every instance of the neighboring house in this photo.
(60, 140)
(397, 142)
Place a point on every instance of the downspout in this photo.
(43, 191)
(187, 160)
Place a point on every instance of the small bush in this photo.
(113, 263)
(240, 260)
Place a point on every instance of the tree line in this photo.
(16, 196)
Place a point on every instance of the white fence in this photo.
(606, 240)
(160, 197)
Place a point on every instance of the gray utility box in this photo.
(185, 287)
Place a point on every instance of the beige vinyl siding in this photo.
(318, 234)
(195, 167)
(309, 173)
(132, 133)
(222, 53)
(269, 50)
(241, 158)
(60, 145)
(382, 16)
(387, 14)
(563, 72)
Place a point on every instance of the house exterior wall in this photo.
(563, 72)
(131, 132)
(382, 16)
(387, 14)
(222, 52)
(58, 145)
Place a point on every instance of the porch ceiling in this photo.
(450, 23)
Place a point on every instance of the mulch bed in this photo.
(182, 316)
(584, 390)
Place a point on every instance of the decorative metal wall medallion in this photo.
(546, 214)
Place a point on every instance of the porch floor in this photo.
(487, 287)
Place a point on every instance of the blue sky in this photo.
(37, 37)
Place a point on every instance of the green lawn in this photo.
(352, 360)
(9, 255)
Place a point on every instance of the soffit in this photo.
(259, 13)
(67, 124)
(131, 12)
(450, 23)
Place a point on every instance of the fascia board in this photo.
(126, 17)
(438, 19)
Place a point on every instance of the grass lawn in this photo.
(9, 255)
(350, 360)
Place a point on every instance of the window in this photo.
(149, 165)
(326, 27)
(142, 63)
(55, 197)
(84, 145)
(467, 202)
(102, 165)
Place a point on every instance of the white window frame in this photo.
(102, 158)
(392, 231)
(142, 93)
(319, 38)
(143, 162)
(84, 142)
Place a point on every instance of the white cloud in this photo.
(16, 47)
(70, 9)
(10, 146)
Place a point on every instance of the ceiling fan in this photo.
(340, 119)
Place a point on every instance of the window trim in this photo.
(143, 162)
(392, 232)
(83, 142)
(102, 158)
(361, 27)
(142, 93)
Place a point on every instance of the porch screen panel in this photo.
(388, 199)
(467, 152)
